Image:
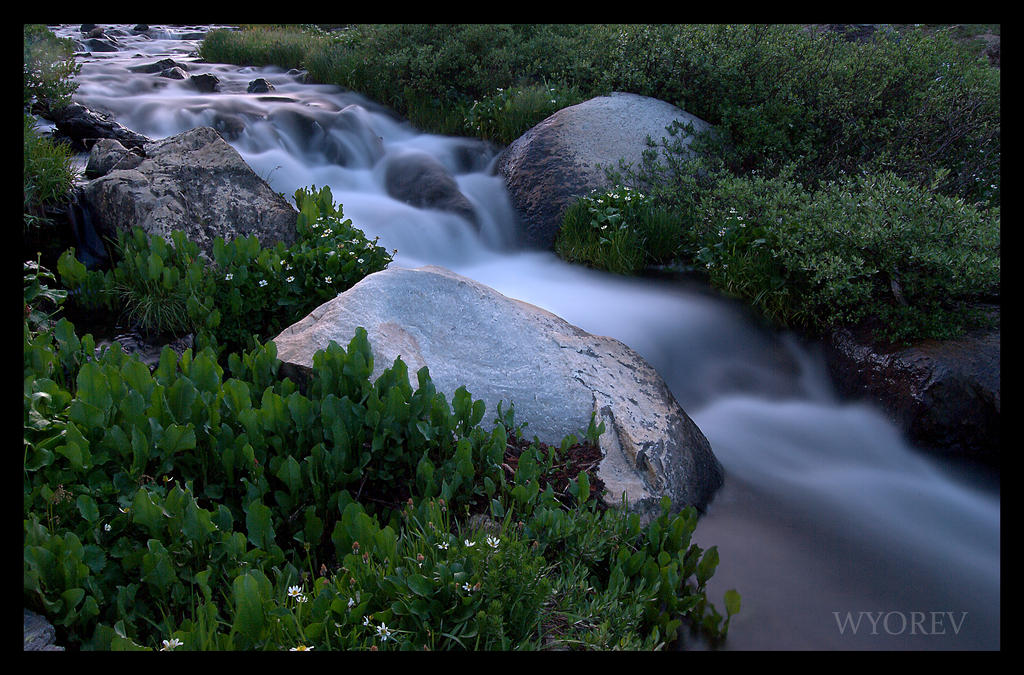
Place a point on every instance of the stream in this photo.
(837, 533)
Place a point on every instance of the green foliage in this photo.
(216, 509)
(872, 249)
(507, 114)
(619, 230)
(48, 174)
(48, 68)
(168, 287)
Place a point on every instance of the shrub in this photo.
(48, 68)
(873, 248)
(507, 114)
(618, 230)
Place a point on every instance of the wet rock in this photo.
(82, 127)
(563, 157)
(174, 73)
(259, 86)
(206, 82)
(103, 44)
(501, 349)
(158, 66)
(420, 180)
(944, 394)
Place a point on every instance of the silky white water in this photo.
(827, 514)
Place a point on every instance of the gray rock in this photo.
(193, 182)
(420, 180)
(102, 44)
(563, 157)
(259, 86)
(503, 349)
(205, 82)
(108, 154)
(158, 66)
(174, 73)
(39, 634)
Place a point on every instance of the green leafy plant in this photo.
(619, 230)
(202, 508)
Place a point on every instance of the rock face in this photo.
(561, 159)
(943, 394)
(193, 182)
(420, 180)
(503, 349)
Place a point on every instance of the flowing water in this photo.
(837, 533)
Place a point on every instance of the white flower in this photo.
(366, 621)
(169, 645)
(327, 280)
(106, 527)
(294, 591)
(359, 260)
(263, 282)
(468, 543)
(384, 632)
(351, 603)
(301, 598)
(229, 276)
(301, 648)
(122, 510)
(466, 587)
(443, 545)
(493, 542)
(290, 279)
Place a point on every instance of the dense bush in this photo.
(619, 230)
(48, 66)
(167, 287)
(866, 249)
(196, 509)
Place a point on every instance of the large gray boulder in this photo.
(564, 157)
(193, 182)
(502, 349)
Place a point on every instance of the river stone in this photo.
(420, 180)
(563, 157)
(193, 182)
(944, 394)
(158, 66)
(82, 127)
(205, 82)
(502, 349)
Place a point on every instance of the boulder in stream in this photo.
(502, 349)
